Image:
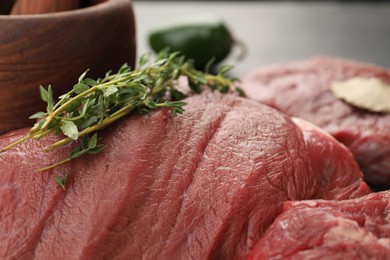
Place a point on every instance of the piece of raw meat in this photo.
(302, 89)
(204, 185)
(319, 229)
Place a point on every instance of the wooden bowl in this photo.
(55, 49)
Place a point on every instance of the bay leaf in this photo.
(371, 94)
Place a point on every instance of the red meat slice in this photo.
(302, 89)
(318, 229)
(204, 184)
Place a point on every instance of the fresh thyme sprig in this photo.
(92, 105)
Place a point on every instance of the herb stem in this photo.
(31, 135)
(39, 135)
(114, 81)
(15, 143)
(54, 165)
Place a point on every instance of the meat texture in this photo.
(302, 89)
(319, 229)
(204, 185)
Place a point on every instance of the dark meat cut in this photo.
(319, 229)
(302, 89)
(204, 184)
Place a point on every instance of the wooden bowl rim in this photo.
(108, 6)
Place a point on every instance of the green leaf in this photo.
(143, 110)
(128, 90)
(80, 88)
(177, 110)
(89, 82)
(75, 152)
(240, 91)
(150, 104)
(73, 106)
(83, 75)
(145, 58)
(209, 64)
(57, 131)
(199, 76)
(224, 89)
(160, 62)
(123, 69)
(177, 95)
(97, 149)
(60, 181)
(54, 123)
(69, 129)
(223, 70)
(89, 122)
(235, 79)
(50, 99)
(92, 142)
(47, 96)
(212, 86)
(197, 88)
(85, 107)
(163, 53)
(108, 73)
(176, 106)
(84, 142)
(176, 103)
(38, 115)
(40, 123)
(44, 94)
(100, 109)
(370, 94)
(110, 90)
(63, 96)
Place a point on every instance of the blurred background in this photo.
(281, 31)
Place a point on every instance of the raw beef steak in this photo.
(302, 89)
(318, 229)
(204, 185)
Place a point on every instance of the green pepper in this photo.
(200, 38)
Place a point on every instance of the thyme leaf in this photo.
(92, 105)
(60, 181)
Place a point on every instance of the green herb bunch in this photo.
(92, 105)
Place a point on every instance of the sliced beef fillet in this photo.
(319, 229)
(204, 185)
(302, 89)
